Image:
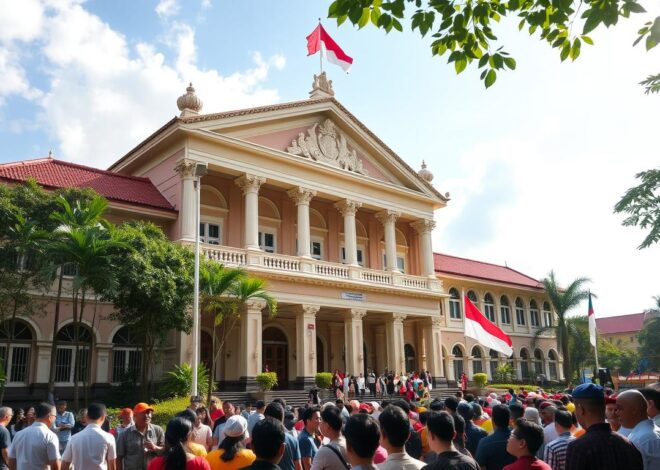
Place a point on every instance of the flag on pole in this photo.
(592, 323)
(486, 333)
(320, 40)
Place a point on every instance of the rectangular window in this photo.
(360, 256)
(505, 315)
(69, 269)
(534, 318)
(520, 316)
(267, 241)
(547, 318)
(455, 309)
(400, 263)
(126, 365)
(63, 358)
(209, 233)
(316, 250)
(489, 311)
(18, 363)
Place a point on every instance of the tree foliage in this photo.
(649, 337)
(465, 31)
(641, 204)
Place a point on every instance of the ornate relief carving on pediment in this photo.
(324, 143)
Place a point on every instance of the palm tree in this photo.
(563, 300)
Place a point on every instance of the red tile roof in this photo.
(447, 264)
(52, 173)
(620, 323)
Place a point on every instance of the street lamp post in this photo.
(200, 170)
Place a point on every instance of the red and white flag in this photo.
(486, 333)
(320, 40)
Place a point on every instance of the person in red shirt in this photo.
(215, 410)
(524, 442)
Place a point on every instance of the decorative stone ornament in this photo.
(425, 174)
(323, 143)
(321, 87)
(189, 104)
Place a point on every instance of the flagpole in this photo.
(321, 50)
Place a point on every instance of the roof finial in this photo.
(321, 87)
(425, 174)
(50, 154)
(189, 104)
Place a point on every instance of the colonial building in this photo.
(302, 195)
(622, 330)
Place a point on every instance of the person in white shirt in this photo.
(331, 456)
(394, 432)
(360, 384)
(201, 432)
(645, 435)
(92, 448)
(37, 447)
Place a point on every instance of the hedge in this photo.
(515, 387)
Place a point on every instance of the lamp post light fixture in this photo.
(201, 169)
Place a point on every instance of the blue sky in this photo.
(534, 165)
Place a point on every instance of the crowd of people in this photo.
(585, 428)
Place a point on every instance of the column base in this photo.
(304, 383)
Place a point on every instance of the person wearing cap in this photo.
(232, 454)
(599, 448)
(257, 416)
(125, 421)
(92, 448)
(141, 442)
(645, 435)
(612, 416)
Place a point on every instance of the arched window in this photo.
(505, 311)
(533, 314)
(126, 356)
(473, 298)
(538, 361)
(494, 362)
(520, 312)
(457, 352)
(66, 359)
(477, 365)
(489, 307)
(552, 364)
(524, 364)
(18, 357)
(547, 314)
(454, 304)
(409, 355)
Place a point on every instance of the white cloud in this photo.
(167, 8)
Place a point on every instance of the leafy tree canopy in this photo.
(465, 30)
(641, 204)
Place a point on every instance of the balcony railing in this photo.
(241, 257)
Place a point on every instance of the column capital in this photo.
(301, 195)
(354, 314)
(387, 216)
(399, 317)
(308, 310)
(250, 183)
(348, 207)
(435, 322)
(254, 305)
(423, 226)
(186, 168)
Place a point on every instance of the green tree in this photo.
(613, 356)
(563, 300)
(154, 288)
(649, 337)
(464, 30)
(641, 204)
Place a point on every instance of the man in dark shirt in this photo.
(491, 451)
(267, 444)
(6, 414)
(442, 432)
(599, 448)
(473, 433)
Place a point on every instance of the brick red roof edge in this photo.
(632, 322)
(480, 270)
(53, 173)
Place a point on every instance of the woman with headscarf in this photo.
(532, 415)
(175, 456)
(231, 454)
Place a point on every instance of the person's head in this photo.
(176, 436)
(339, 403)
(142, 414)
(517, 412)
(477, 410)
(195, 402)
(235, 432)
(589, 402)
(465, 411)
(228, 408)
(501, 416)
(6, 414)
(525, 440)
(82, 415)
(312, 418)
(547, 412)
(30, 414)
(275, 410)
(331, 421)
(61, 406)
(511, 391)
(563, 421)
(631, 408)
(459, 426)
(260, 406)
(531, 414)
(188, 415)
(442, 430)
(451, 403)
(610, 411)
(469, 397)
(355, 406)
(268, 440)
(362, 438)
(45, 412)
(653, 400)
(202, 415)
(394, 427)
(126, 416)
(96, 413)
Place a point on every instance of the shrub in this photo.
(503, 373)
(515, 387)
(178, 382)
(323, 380)
(267, 380)
(480, 379)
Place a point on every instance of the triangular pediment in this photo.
(320, 132)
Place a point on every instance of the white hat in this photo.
(236, 426)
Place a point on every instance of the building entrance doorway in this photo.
(275, 354)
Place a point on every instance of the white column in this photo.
(395, 343)
(433, 350)
(348, 208)
(450, 368)
(302, 197)
(250, 185)
(380, 345)
(424, 228)
(518, 365)
(306, 344)
(388, 219)
(250, 350)
(188, 209)
(353, 340)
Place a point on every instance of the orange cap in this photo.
(126, 412)
(141, 408)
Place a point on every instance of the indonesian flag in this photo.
(320, 40)
(486, 333)
(592, 323)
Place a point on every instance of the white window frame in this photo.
(271, 231)
(205, 238)
(360, 254)
(455, 312)
(400, 261)
(319, 241)
(489, 310)
(520, 314)
(127, 350)
(534, 318)
(10, 362)
(72, 362)
(505, 312)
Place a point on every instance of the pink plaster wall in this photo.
(168, 183)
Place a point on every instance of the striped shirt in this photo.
(555, 451)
